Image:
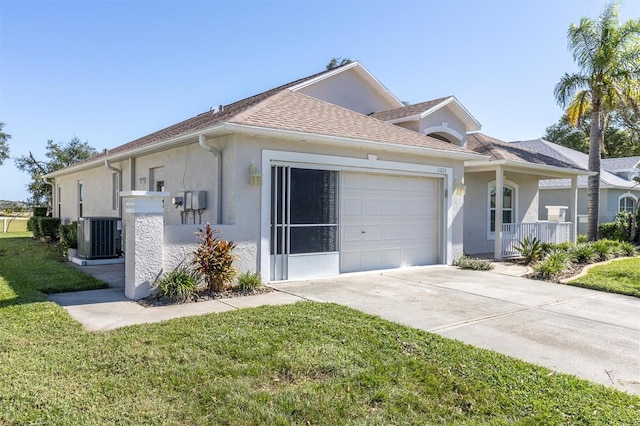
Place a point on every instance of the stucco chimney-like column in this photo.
(143, 240)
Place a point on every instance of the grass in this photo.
(308, 363)
(621, 276)
(15, 225)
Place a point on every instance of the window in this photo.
(627, 203)
(80, 198)
(58, 198)
(156, 176)
(509, 203)
(115, 191)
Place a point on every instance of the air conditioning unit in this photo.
(99, 237)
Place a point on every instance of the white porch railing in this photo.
(546, 232)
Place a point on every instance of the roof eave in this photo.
(548, 170)
(340, 141)
(217, 130)
(222, 129)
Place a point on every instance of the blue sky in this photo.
(112, 71)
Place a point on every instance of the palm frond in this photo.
(568, 86)
(579, 108)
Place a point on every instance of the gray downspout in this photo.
(119, 172)
(203, 144)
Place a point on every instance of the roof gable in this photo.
(350, 86)
(296, 112)
(423, 109)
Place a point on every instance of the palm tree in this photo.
(608, 55)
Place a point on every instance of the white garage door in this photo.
(389, 221)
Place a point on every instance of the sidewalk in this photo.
(106, 309)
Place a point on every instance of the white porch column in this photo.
(143, 235)
(498, 222)
(574, 209)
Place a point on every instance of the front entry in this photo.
(304, 223)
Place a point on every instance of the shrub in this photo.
(40, 211)
(614, 230)
(44, 227)
(582, 239)
(530, 250)
(249, 281)
(584, 253)
(609, 230)
(554, 263)
(475, 264)
(69, 235)
(213, 260)
(179, 284)
(604, 249)
(627, 249)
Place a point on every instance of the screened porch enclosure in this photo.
(304, 223)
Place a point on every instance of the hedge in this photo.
(44, 227)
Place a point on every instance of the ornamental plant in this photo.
(213, 260)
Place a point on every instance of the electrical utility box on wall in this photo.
(198, 200)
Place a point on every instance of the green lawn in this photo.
(620, 276)
(307, 363)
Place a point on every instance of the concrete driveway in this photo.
(590, 334)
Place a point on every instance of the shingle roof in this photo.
(621, 163)
(328, 119)
(501, 150)
(209, 118)
(408, 111)
(295, 111)
(579, 159)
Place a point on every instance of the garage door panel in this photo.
(351, 233)
(373, 207)
(352, 206)
(399, 217)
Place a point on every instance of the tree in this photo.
(337, 62)
(619, 139)
(608, 56)
(4, 147)
(60, 156)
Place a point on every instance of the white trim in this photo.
(469, 121)
(370, 165)
(554, 171)
(514, 202)
(444, 129)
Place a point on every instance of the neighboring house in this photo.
(618, 191)
(325, 175)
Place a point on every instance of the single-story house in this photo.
(325, 175)
(618, 189)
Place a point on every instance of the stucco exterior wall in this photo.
(192, 168)
(348, 90)
(476, 218)
(441, 116)
(98, 192)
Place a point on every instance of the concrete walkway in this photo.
(590, 334)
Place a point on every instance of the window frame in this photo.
(627, 196)
(491, 235)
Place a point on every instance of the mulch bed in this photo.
(202, 296)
